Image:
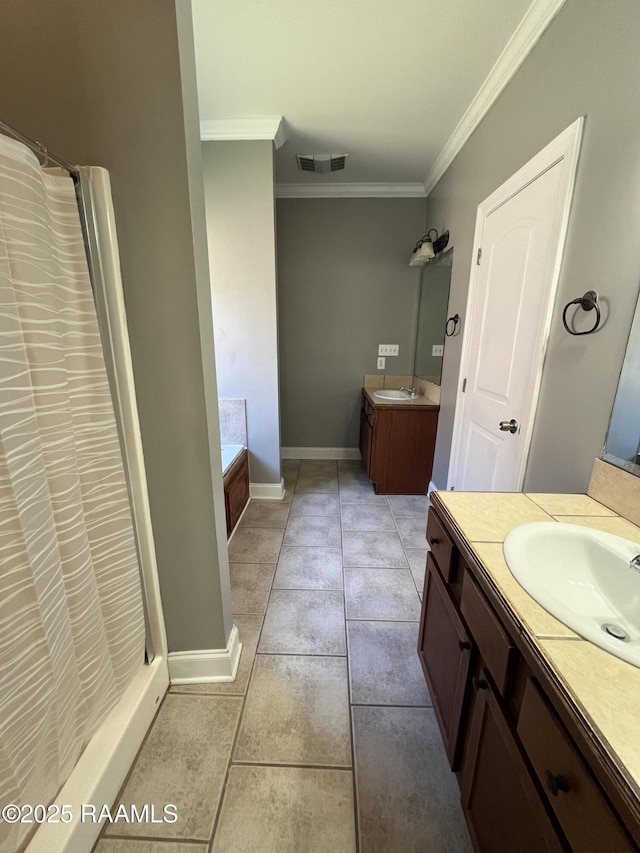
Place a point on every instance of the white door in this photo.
(518, 247)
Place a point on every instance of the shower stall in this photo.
(83, 657)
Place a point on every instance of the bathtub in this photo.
(229, 452)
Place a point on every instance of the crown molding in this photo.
(350, 191)
(270, 128)
(531, 27)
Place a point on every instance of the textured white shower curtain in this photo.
(71, 616)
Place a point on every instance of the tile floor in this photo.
(326, 742)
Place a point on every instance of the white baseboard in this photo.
(432, 488)
(319, 453)
(205, 666)
(267, 491)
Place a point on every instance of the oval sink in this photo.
(392, 395)
(582, 577)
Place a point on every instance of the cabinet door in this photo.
(444, 649)
(501, 802)
(366, 439)
(586, 818)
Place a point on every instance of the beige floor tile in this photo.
(289, 466)
(255, 545)
(130, 845)
(287, 810)
(409, 505)
(318, 467)
(183, 761)
(265, 514)
(413, 531)
(417, 563)
(249, 630)
(408, 798)
(353, 476)
(288, 492)
(304, 622)
(312, 504)
(296, 712)
(372, 550)
(250, 586)
(309, 567)
(316, 484)
(383, 664)
(388, 594)
(368, 517)
(360, 493)
(312, 530)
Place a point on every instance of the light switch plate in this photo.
(388, 349)
(381, 363)
(437, 349)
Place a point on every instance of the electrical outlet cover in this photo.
(381, 363)
(437, 349)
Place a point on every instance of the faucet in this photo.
(412, 390)
(635, 563)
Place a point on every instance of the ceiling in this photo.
(384, 82)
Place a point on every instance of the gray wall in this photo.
(238, 180)
(344, 286)
(586, 63)
(101, 83)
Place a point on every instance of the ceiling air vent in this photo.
(321, 162)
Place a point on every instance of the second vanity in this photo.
(541, 727)
(397, 442)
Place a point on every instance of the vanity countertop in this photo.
(604, 690)
(415, 403)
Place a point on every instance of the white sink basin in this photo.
(583, 578)
(392, 395)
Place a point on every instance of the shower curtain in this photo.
(71, 615)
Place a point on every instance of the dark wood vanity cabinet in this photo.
(529, 783)
(397, 443)
(445, 649)
(236, 490)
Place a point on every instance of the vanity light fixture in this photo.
(426, 248)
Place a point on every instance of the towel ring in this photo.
(587, 302)
(455, 320)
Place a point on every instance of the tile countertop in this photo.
(604, 689)
(416, 402)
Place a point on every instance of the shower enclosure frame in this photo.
(107, 758)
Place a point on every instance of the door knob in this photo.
(509, 426)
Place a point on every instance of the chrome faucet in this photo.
(412, 391)
(635, 563)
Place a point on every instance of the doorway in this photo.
(519, 240)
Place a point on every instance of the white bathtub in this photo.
(229, 452)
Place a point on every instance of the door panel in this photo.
(519, 246)
(481, 459)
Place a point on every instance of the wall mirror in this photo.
(432, 317)
(622, 446)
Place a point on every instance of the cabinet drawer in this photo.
(495, 646)
(582, 811)
(442, 547)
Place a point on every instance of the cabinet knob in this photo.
(555, 784)
(463, 645)
(478, 683)
(433, 540)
